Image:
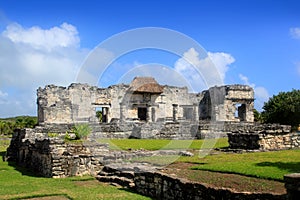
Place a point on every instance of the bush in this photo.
(81, 131)
(283, 108)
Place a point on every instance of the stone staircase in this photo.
(117, 176)
(122, 174)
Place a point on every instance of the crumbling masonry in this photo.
(144, 100)
(142, 109)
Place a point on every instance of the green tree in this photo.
(258, 117)
(283, 108)
(99, 115)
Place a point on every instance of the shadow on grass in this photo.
(21, 169)
(292, 167)
(52, 196)
(2, 154)
(24, 171)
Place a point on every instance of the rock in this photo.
(186, 153)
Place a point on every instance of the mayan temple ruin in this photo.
(143, 100)
(142, 109)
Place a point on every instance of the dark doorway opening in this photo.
(142, 114)
(242, 112)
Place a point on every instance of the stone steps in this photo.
(117, 176)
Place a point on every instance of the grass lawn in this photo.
(17, 183)
(153, 144)
(269, 165)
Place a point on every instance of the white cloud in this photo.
(3, 97)
(261, 94)
(204, 72)
(222, 61)
(3, 94)
(295, 32)
(34, 57)
(65, 35)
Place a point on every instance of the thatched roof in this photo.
(145, 84)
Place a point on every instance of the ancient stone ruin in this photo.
(142, 109)
(144, 100)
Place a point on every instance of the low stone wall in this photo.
(292, 185)
(146, 180)
(52, 157)
(162, 186)
(265, 137)
(163, 130)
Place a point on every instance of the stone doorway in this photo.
(142, 113)
(102, 114)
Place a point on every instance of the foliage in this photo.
(8, 125)
(258, 117)
(52, 135)
(283, 108)
(154, 144)
(81, 131)
(99, 115)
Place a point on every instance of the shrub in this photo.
(81, 131)
(52, 135)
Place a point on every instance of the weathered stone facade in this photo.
(228, 103)
(52, 156)
(143, 100)
(264, 137)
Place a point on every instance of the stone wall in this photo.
(78, 103)
(292, 185)
(233, 103)
(52, 157)
(264, 137)
(162, 186)
(146, 180)
(169, 130)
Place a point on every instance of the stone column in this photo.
(292, 185)
(148, 115)
(105, 114)
(175, 111)
(195, 114)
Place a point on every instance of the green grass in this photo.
(153, 144)
(269, 165)
(18, 183)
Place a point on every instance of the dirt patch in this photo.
(235, 182)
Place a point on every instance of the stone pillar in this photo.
(148, 115)
(292, 185)
(122, 112)
(195, 114)
(175, 111)
(105, 114)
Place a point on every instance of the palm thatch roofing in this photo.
(145, 85)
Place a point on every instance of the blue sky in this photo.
(255, 42)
